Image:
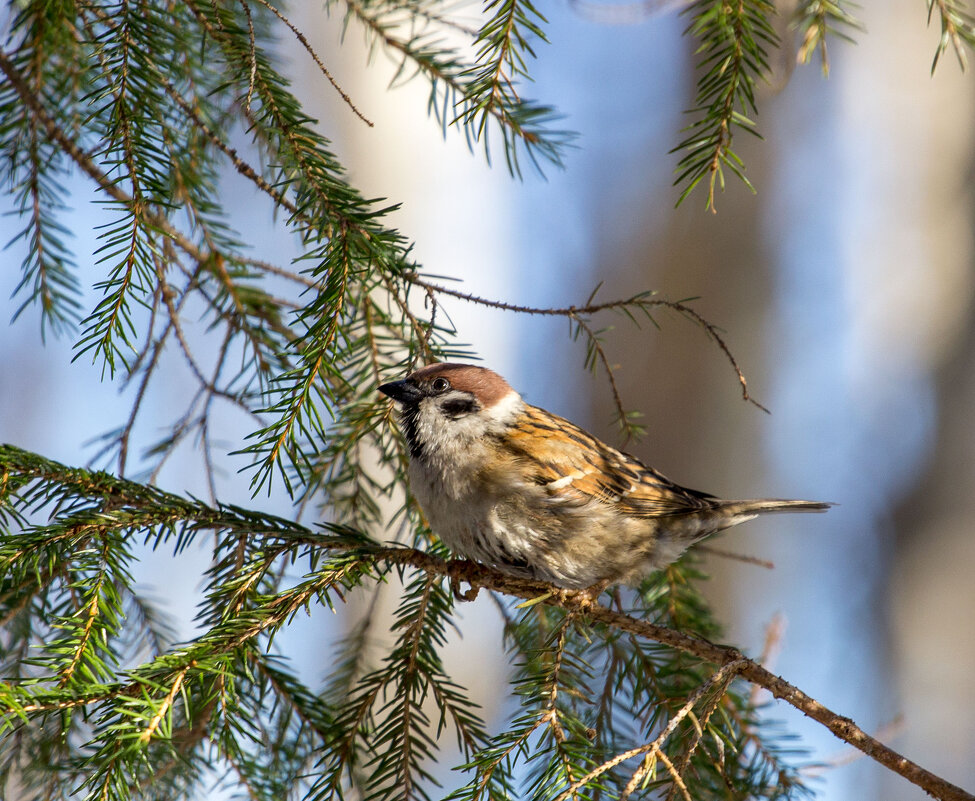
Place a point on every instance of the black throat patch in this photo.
(409, 422)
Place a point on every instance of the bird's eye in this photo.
(440, 385)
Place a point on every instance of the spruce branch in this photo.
(734, 39)
(48, 268)
(957, 30)
(473, 96)
(579, 603)
(34, 173)
(302, 39)
(164, 707)
(348, 559)
(84, 161)
(301, 399)
(816, 21)
(359, 240)
(720, 678)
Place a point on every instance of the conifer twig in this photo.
(842, 727)
(138, 507)
(644, 302)
(720, 676)
(302, 39)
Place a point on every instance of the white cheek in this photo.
(506, 409)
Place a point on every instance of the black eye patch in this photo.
(458, 407)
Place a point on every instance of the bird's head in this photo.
(450, 404)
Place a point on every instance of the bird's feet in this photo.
(456, 567)
(586, 598)
(579, 600)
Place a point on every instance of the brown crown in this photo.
(485, 385)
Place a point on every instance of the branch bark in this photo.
(480, 577)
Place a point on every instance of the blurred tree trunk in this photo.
(931, 591)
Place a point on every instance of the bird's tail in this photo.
(673, 540)
(739, 511)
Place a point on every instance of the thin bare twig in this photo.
(424, 341)
(291, 275)
(311, 51)
(774, 632)
(738, 557)
(597, 347)
(643, 302)
(252, 44)
(675, 774)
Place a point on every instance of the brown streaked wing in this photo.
(577, 463)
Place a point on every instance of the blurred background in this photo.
(844, 289)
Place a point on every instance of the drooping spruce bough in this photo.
(144, 100)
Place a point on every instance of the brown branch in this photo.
(291, 275)
(163, 292)
(722, 655)
(580, 603)
(252, 56)
(231, 153)
(311, 51)
(425, 349)
(177, 328)
(737, 557)
(600, 354)
(642, 302)
(678, 779)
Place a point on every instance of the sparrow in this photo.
(525, 491)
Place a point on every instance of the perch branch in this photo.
(481, 577)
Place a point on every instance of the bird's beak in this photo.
(405, 392)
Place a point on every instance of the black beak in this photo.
(405, 392)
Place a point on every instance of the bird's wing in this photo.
(576, 468)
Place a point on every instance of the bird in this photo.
(529, 493)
